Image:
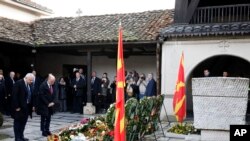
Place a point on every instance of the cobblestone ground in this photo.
(60, 120)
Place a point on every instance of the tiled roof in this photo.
(34, 5)
(15, 31)
(184, 30)
(144, 26)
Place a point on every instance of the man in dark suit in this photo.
(96, 91)
(46, 102)
(78, 85)
(22, 105)
(3, 94)
(9, 82)
(35, 87)
(151, 87)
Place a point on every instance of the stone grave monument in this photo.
(219, 102)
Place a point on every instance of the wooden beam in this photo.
(158, 67)
(191, 9)
(180, 11)
(89, 72)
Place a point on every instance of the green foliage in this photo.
(1, 119)
(110, 116)
(184, 128)
(141, 117)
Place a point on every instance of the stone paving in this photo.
(60, 120)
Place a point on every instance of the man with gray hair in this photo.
(151, 87)
(46, 102)
(22, 105)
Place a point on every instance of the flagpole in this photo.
(120, 131)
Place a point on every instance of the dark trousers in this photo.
(19, 126)
(77, 104)
(8, 105)
(45, 123)
(100, 103)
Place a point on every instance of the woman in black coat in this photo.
(62, 95)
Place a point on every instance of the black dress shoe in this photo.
(25, 139)
(19, 139)
(48, 133)
(44, 134)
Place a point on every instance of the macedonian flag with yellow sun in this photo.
(179, 100)
(119, 131)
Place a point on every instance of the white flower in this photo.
(98, 122)
(79, 137)
(72, 136)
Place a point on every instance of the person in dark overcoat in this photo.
(151, 87)
(9, 82)
(78, 85)
(22, 105)
(3, 95)
(62, 94)
(46, 103)
(96, 91)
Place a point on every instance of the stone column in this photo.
(219, 102)
(89, 108)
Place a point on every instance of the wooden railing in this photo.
(221, 14)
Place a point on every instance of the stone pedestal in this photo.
(219, 102)
(89, 109)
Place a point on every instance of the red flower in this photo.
(84, 120)
(111, 133)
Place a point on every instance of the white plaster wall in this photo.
(52, 63)
(17, 13)
(194, 53)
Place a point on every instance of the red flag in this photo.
(179, 100)
(120, 134)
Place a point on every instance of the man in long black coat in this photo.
(3, 94)
(151, 86)
(9, 82)
(22, 105)
(79, 92)
(35, 87)
(46, 102)
(96, 91)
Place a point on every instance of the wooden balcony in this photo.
(222, 14)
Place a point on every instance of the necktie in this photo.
(29, 94)
(93, 80)
(51, 89)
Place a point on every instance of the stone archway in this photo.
(236, 66)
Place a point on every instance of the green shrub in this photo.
(184, 128)
(1, 119)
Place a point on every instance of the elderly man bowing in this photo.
(46, 102)
(22, 105)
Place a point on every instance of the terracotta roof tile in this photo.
(16, 31)
(144, 26)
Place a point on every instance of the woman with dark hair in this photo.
(62, 95)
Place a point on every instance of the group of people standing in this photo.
(34, 94)
(206, 73)
(137, 86)
(27, 97)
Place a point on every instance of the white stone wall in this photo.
(13, 10)
(219, 102)
(194, 53)
(52, 63)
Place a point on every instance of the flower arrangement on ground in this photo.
(141, 117)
